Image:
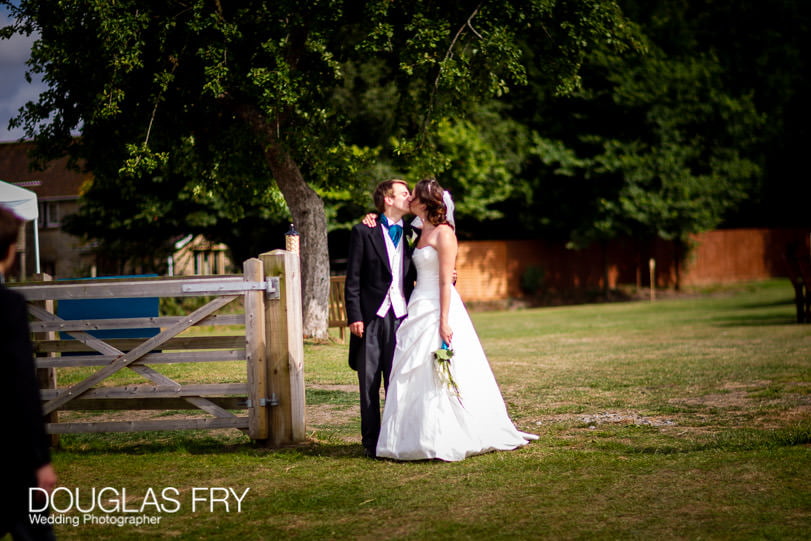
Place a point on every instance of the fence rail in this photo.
(147, 287)
(269, 342)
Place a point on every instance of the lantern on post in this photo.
(291, 240)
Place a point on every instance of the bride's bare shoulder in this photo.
(446, 229)
(445, 234)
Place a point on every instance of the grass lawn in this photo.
(686, 418)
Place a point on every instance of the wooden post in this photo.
(652, 269)
(285, 345)
(47, 376)
(256, 355)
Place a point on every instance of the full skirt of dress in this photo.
(422, 418)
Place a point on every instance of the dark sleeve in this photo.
(353, 269)
(16, 347)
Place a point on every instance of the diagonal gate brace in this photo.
(125, 359)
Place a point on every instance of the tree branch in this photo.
(155, 108)
(448, 55)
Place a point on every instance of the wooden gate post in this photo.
(285, 345)
(47, 376)
(256, 355)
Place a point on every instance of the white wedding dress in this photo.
(422, 419)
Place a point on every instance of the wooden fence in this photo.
(271, 346)
(337, 305)
(493, 270)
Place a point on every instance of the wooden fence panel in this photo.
(262, 334)
(337, 305)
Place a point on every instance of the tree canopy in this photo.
(699, 127)
(580, 120)
(196, 114)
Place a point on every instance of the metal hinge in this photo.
(263, 402)
(270, 286)
(272, 289)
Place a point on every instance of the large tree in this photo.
(660, 144)
(181, 102)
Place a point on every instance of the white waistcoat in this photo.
(395, 299)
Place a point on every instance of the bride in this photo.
(422, 417)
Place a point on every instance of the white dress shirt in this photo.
(395, 299)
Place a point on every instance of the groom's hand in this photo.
(356, 328)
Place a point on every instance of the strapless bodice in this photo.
(427, 261)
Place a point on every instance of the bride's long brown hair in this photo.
(430, 193)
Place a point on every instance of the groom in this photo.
(379, 280)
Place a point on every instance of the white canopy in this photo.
(24, 204)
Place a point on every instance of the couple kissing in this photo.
(403, 311)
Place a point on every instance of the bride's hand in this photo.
(370, 220)
(446, 333)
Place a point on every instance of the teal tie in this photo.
(395, 231)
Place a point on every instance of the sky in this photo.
(15, 91)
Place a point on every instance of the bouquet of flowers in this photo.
(443, 357)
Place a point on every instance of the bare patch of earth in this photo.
(733, 400)
(734, 396)
(744, 404)
(332, 415)
(743, 399)
(328, 387)
(608, 417)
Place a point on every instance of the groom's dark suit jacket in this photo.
(368, 277)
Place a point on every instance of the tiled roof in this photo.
(55, 182)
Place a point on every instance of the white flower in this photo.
(412, 238)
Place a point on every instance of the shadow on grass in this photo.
(735, 440)
(763, 320)
(609, 440)
(771, 304)
(145, 443)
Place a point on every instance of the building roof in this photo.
(55, 182)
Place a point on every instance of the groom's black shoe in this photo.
(369, 453)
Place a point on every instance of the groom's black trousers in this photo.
(379, 340)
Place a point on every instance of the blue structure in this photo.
(112, 309)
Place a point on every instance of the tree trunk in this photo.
(307, 209)
(310, 220)
(679, 257)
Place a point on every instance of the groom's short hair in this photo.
(383, 190)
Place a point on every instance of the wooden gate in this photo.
(272, 393)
